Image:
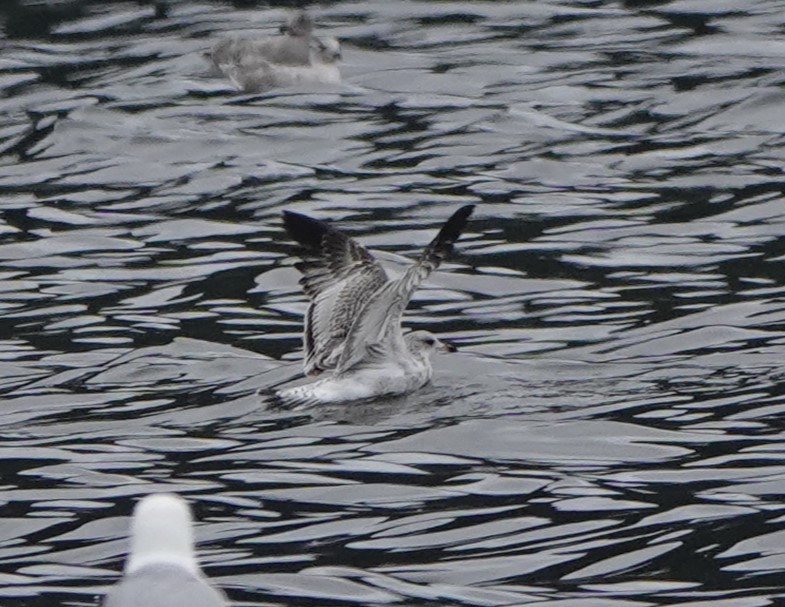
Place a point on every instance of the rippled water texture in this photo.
(611, 433)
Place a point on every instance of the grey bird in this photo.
(353, 321)
(261, 75)
(161, 569)
(293, 47)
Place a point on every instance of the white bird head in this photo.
(426, 342)
(161, 533)
(326, 49)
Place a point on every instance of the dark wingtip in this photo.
(452, 229)
(308, 231)
(457, 222)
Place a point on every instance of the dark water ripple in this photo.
(610, 433)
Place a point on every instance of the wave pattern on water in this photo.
(610, 431)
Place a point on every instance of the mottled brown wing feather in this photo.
(338, 276)
(379, 321)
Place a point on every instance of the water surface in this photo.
(610, 433)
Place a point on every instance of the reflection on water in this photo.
(610, 431)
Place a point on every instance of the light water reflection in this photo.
(610, 431)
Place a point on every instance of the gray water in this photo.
(611, 432)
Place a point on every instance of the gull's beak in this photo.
(447, 346)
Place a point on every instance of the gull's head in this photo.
(161, 534)
(326, 49)
(299, 25)
(425, 342)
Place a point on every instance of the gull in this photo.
(161, 570)
(292, 48)
(295, 58)
(255, 76)
(353, 321)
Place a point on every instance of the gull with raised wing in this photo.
(353, 321)
(162, 570)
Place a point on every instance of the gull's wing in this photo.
(163, 586)
(376, 330)
(247, 52)
(256, 79)
(292, 48)
(338, 276)
(285, 50)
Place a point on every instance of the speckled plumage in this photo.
(353, 321)
(256, 74)
(297, 57)
(293, 47)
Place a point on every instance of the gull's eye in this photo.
(429, 341)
